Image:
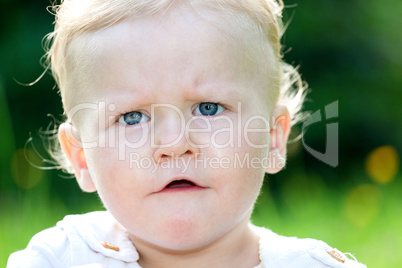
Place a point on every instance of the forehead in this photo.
(167, 46)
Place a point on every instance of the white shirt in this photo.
(81, 239)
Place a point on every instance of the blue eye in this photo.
(133, 118)
(208, 109)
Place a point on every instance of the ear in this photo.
(74, 152)
(280, 131)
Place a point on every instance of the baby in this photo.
(175, 111)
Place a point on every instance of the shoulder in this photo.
(281, 251)
(49, 248)
(77, 240)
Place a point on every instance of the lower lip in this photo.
(182, 189)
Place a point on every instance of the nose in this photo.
(170, 139)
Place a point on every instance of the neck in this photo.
(237, 248)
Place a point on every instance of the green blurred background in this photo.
(348, 51)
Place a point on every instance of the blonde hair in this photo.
(74, 18)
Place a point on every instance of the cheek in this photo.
(249, 165)
(241, 180)
(256, 133)
(116, 172)
(126, 138)
(241, 194)
(102, 165)
(239, 184)
(117, 186)
(231, 131)
(108, 173)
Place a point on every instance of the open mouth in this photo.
(180, 184)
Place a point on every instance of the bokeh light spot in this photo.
(362, 204)
(24, 173)
(382, 164)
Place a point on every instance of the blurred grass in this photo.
(313, 211)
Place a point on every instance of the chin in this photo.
(184, 236)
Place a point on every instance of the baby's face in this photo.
(180, 135)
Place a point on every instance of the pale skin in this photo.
(180, 62)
